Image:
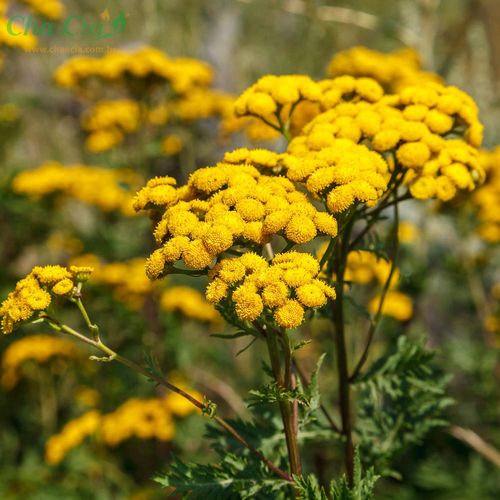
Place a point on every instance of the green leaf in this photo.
(312, 390)
(230, 335)
(233, 478)
(274, 393)
(308, 488)
(301, 344)
(363, 485)
(401, 398)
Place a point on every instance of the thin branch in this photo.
(374, 323)
(477, 443)
(215, 384)
(206, 407)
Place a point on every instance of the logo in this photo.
(104, 27)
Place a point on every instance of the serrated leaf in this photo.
(308, 488)
(401, 398)
(363, 485)
(274, 393)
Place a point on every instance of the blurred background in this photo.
(54, 400)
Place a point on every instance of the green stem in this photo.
(206, 408)
(305, 380)
(376, 320)
(341, 251)
(285, 406)
(93, 328)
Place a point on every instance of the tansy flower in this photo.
(101, 187)
(274, 98)
(38, 348)
(190, 303)
(72, 435)
(107, 121)
(127, 278)
(396, 304)
(414, 125)
(394, 71)
(146, 63)
(33, 293)
(228, 205)
(287, 286)
(486, 199)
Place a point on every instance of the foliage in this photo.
(402, 398)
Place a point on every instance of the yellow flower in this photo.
(155, 264)
(285, 286)
(171, 145)
(413, 154)
(275, 294)
(108, 121)
(311, 295)
(158, 191)
(231, 204)
(127, 278)
(289, 315)
(71, 436)
(184, 75)
(486, 199)
(386, 140)
(395, 70)
(101, 187)
(32, 294)
(396, 304)
(260, 104)
(39, 348)
(300, 229)
(188, 302)
(423, 188)
(63, 287)
(407, 232)
(249, 304)
(216, 291)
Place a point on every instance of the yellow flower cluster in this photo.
(146, 63)
(487, 197)
(226, 205)
(294, 100)
(407, 232)
(202, 103)
(52, 9)
(285, 287)
(25, 42)
(38, 348)
(254, 128)
(87, 396)
(273, 98)
(393, 71)
(414, 125)
(101, 187)
(129, 283)
(364, 267)
(33, 293)
(397, 305)
(171, 145)
(190, 303)
(71, 436)
(108, 121)
(341, 174)
(142, 418)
